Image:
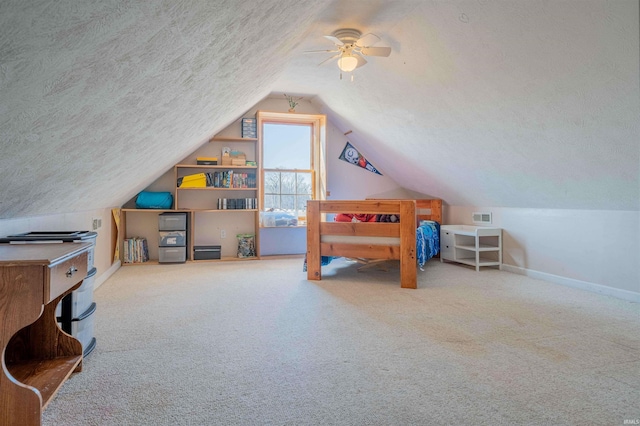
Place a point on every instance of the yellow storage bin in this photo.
(198, 180)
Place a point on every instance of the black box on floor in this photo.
(206, 252)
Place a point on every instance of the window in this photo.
(288, 177)
(291, 166)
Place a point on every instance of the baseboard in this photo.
(106, 274)
(570, 282)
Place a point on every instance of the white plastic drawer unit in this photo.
(172, 222)
(172, 254)
(173, 238)
(82, 298)
(82, 328)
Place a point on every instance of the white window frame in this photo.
(318, 123)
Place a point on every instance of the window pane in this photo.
(287, 202)
(288, 182)
(301, 202)
(272, 182)
(286, 146)
(304, 183)
(271, 202)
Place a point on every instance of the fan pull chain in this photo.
(351, 77)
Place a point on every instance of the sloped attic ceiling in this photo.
(531, 104)
(99, 98)
(482, 102)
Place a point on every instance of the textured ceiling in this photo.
(489, 103)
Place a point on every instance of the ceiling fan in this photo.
(350, 48)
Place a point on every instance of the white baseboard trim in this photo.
(570, 282)
(106, 274)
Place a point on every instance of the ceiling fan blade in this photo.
(330, 58)
(361, 61)
(321, 51)
(376, 51)
(335, 40)
(367, 40)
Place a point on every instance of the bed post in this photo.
(313, 240)
(408, 275)
(436, 211)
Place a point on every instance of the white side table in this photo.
(471, 245)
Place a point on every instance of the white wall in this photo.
(347, 181)
(591, 249)
(80, 221)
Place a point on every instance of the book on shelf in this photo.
(231, 179)
(136, 250)
(237, 203)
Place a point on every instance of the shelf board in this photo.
(213, 188)
(483, 262)
(148, 262)
(472, 231)
(155, 261)
(222, 210)
(231, 139)
(230, 259)
(189, 210)
(482, 247)
(45, 375)
(218, 166)
(148, 210)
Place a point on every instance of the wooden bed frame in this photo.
(403, 234)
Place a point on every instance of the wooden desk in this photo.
(38, 355)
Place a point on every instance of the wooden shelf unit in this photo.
(231, 139)
(214, 189)
(198, 202)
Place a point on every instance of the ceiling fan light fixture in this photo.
(347, 63)
(350, 49)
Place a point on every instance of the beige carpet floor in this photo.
(255, 343)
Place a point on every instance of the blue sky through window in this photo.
(286, 146)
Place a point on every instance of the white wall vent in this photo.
(482, 218)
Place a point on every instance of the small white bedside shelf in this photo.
(471, 245)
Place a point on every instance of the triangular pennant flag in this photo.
(351, 155)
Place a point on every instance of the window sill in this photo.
(284, 227)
